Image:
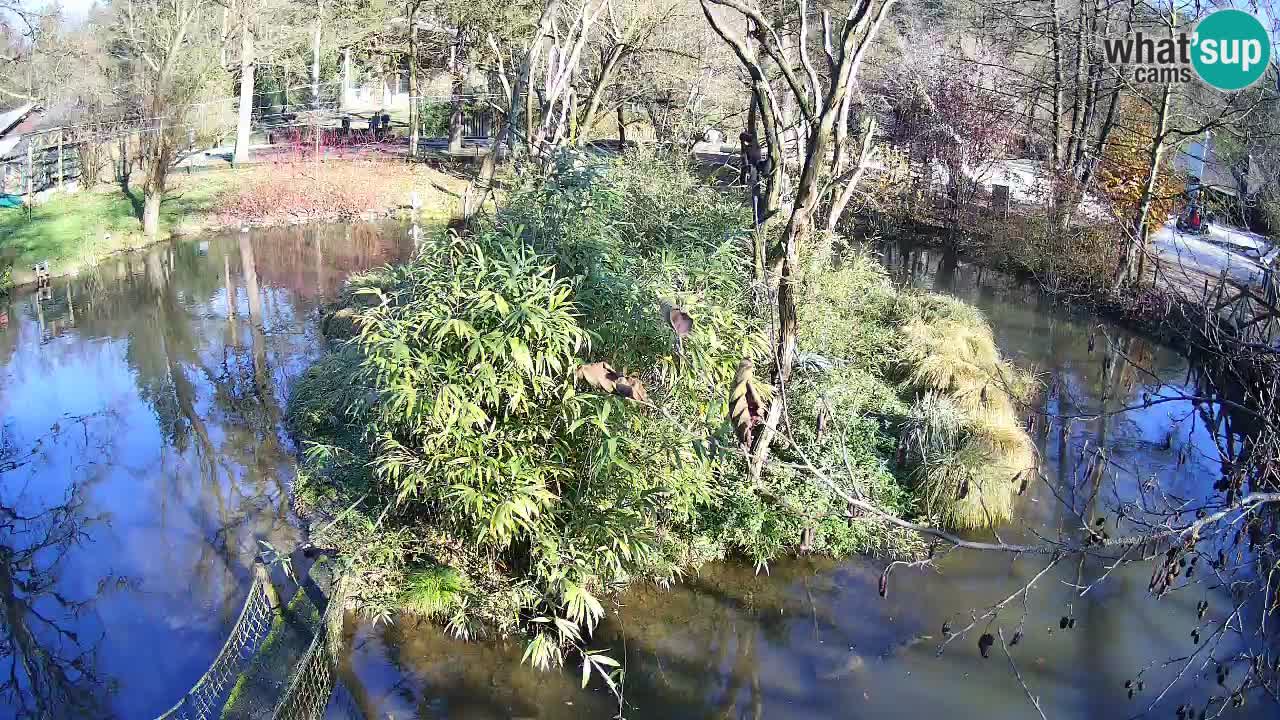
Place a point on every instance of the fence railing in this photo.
(205, 698)
(42, 168)
(307, 694)
(1252, 310)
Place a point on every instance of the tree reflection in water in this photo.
(190, 346)
(48, 643)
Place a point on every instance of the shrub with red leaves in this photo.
(301, 191)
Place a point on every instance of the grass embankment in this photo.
(77, 230)
(507, 480)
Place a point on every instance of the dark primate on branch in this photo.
(753, 164)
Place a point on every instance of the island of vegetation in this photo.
(525, 418)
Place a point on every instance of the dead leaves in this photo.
(601, 376)
(746, 403)
(679, 320)
(598, 375)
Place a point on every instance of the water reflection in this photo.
(49, 638)
(813, 639)
(142, 457)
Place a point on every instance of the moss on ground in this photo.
(271, 666)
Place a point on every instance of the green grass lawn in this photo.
(75, 230)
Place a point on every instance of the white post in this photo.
(346, 77)
(244, 124)
(315, 62)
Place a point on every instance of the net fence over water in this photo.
(205, 699)
(310, 686)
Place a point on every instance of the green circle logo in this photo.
(1232, 49)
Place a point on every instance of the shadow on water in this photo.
(142, 458)
(812, 638)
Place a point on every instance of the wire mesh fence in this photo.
(205, 699)
(307, 694)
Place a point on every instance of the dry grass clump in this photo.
(307, 191)
(964, 448)
(967, 465)
(963, 434)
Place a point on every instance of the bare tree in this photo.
(820, 98)
(168, 52)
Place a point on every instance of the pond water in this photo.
(142, 459)
(812, 638)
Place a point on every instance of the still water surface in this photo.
(142, 458)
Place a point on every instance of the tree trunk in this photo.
(151, 198)
(315, 65)
(607, 67)
(346, 78)
(800, 225)
(243, 124)
(1056, 121)
(159, 151)
(1137, 244)
(524, 83)
(1076, 134)
(480, 188)
(456, 117)
(414, 120)
(787, 265)
(622, 129)
(842, 201)
(1104, 133)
